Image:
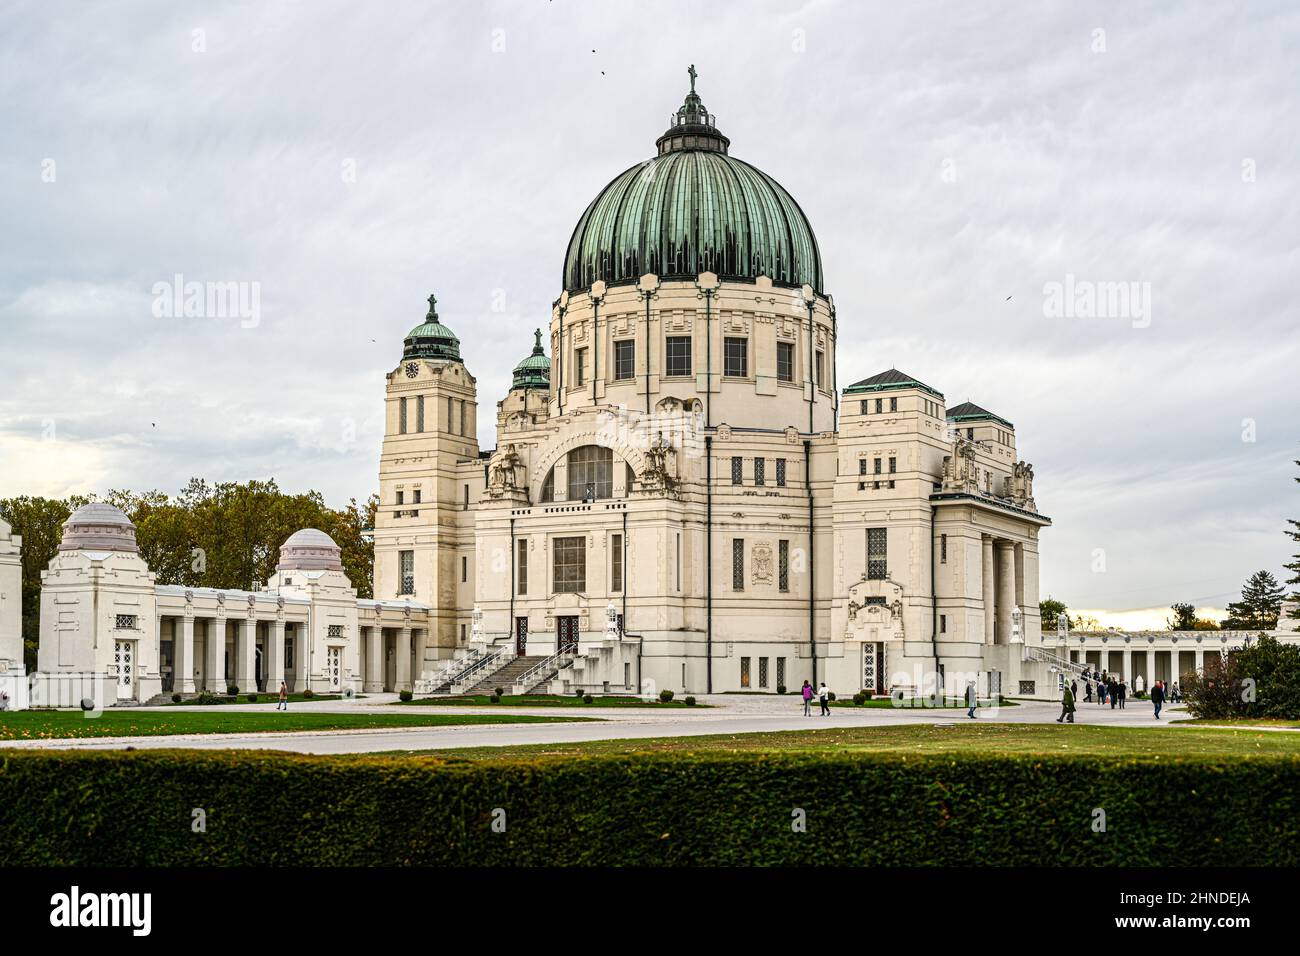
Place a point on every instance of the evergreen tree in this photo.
(1260, 604)
(1184, 618)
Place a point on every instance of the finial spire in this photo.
(693, 75)
(433, 300)
(537, 344)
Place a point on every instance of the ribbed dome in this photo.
(535, 370)
(693, 209)
(310, 549)
(98, 526)
(431, 339)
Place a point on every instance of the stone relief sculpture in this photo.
(503, 474)
(959, 470)
(660, 473)
(762, 562)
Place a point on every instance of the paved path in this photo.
(728, 714)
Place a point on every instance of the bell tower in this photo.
(429, 479)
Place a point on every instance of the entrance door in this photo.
(567, 634)
(521, 635)
(166, 664)
(334, 666)
(124, 658)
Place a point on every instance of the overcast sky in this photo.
(349, 159)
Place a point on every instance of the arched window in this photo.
(591, 473)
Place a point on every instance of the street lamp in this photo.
(1016, 617)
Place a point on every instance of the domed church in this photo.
(682, 495)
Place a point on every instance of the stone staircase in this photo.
(505, 676)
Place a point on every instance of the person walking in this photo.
(824, 698)
(807, 694)
(1087, 689)
(1074, 689)
(1175, 695)
(1157, 696)
(1112, 691)
(284, 697)
(972, 698)
(1067, 706)
(1122, 692)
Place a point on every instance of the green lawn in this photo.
(546, 700)
(262, 698)
(916, 740)
(37, 724)
(1240, 722)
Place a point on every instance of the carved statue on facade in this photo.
(1022, 484)
(959, 469)
(660, 473)
(502, 479)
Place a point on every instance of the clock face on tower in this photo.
(412, 369)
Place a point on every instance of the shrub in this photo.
(252, 698)
(501, 692)
(780, 688)
(494, 698)
(176, 698)
(1260, 680)
(206, 698)
(859, 698)
(232, 690)
(880, 809)
(308, 693)
(689, 701)
(586, 698)
(665, 695)
(404, 695)
(830, 695)
(577, 692)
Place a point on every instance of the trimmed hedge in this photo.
(267, 809)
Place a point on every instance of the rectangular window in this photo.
(570, 565)
(288, 652)
(416, 499)
(821, 369)
(893, 466)
(521, 567)
(744, 672)
(943, 623)
(762, 672)
(465, 506)
(862, 466)
(419, 413)
(463, 429)
(616, 562)
(780, 472)
(464, 569)
(877, 554)
(737, 564)
(785, 361)
(679, 561)
(401, 497)
(406, 572)
(863, 409)
(879, 405)
(580, 367)
(893, 404)
(783, 565)
(780, 672)
(624, 359)
(736, 358)
(125, 622)
(451, 409)
(737, 471)
(678, 352)
(462, 633)
(760, 471)
(401, 416)
(877, 466)
(943, 549)
(334, 630)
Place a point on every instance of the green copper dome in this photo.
(693, 208)
(535, 370)
(431, 339)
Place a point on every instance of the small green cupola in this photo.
(431, 339)
(693, 126)
(535, 370)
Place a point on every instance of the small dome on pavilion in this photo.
(535, 370)
(98, 526)
(310, 550)
(431, 339)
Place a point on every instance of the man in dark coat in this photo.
(1067, 706)
(1157, 696)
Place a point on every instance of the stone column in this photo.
(1150, 675)
(374, 639)
(274, 656)
(1127, 671)
(404, 654)
(214, 656)
(986, 544)
(1006, 589)
(1200, 660)
(183, 656)
(246, 655)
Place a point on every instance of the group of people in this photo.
(823, 696)
(1112, 689)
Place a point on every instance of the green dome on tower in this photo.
(431, 339)
(535, 370)
(693, 208)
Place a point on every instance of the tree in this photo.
(1048, 609)
(1294, 566)
(1260, 680)
(1184, 618)
(1260, 604)
(40, 522)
